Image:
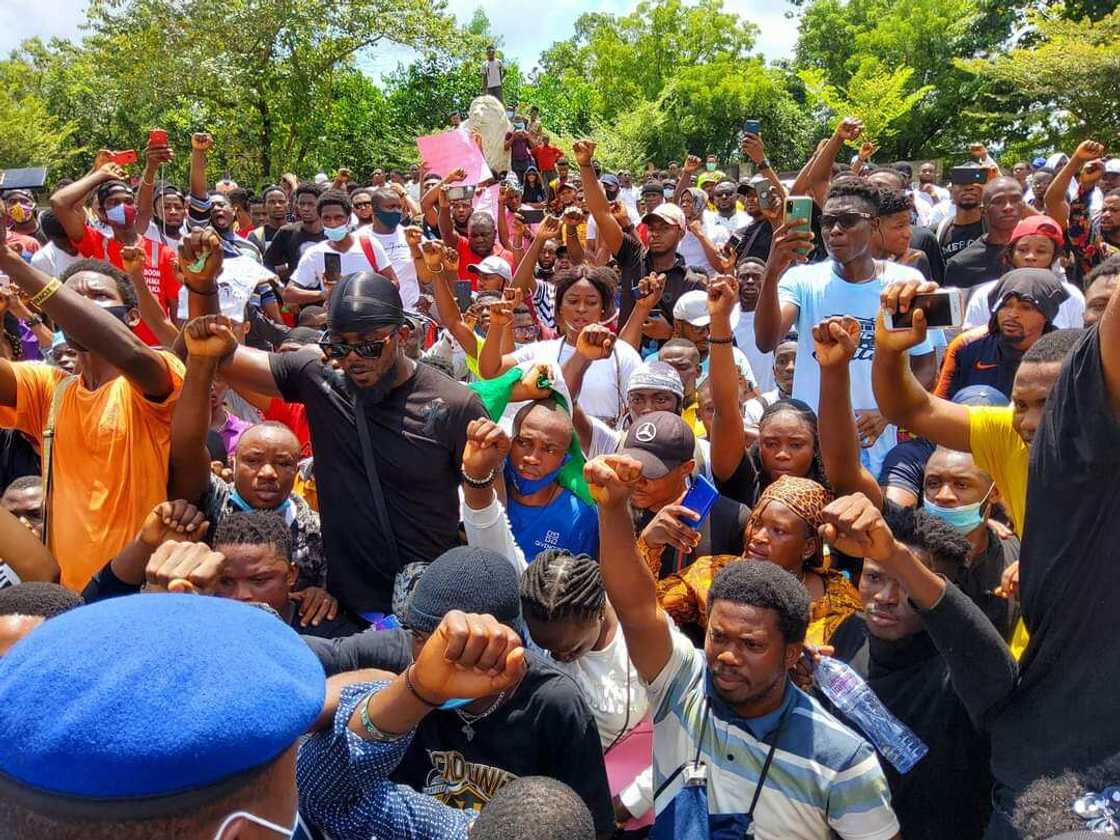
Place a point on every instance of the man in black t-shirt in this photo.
(982, 259)
(292, 240)
(393, 500)
(275, 202)
(967, 224)
(463, 756)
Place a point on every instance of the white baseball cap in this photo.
(693, 307)
(493, 265)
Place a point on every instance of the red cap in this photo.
(1039, 226)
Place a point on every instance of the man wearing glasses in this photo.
(848, 283)
(388, 435)
(727, 214)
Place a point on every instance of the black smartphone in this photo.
(463, 294)
(531, 215)
(752, 127)
(332, 264)
(962, 175)
(735, 240)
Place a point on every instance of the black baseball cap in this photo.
(660, 441)
(652, 187)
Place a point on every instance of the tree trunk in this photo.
(265, 136)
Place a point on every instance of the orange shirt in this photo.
(110, 461)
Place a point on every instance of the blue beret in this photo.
(152, 696)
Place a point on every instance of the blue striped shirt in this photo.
(823, 777)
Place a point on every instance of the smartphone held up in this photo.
(943, 309)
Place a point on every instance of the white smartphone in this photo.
(943, 308)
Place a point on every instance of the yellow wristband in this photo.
(46, 293)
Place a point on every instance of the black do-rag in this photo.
(364, 301)
(1040, 286)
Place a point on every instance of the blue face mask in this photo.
(336, 234)
(964, 519)
(528, 486)
(389, 218)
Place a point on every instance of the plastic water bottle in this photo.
(847, 691)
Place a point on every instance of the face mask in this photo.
(117, 310)
(18, 213)
(389, 218)
(121, 214)
(711, 167)
(261, 821)
(529, 486)
(964, 519)
(337, 234)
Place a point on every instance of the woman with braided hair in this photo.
(782, 530)
(565, 608)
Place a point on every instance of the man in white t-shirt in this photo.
(727, 214)
(387, 231)
(492, 74)
(59, 252)
(356, 252)
(749, 273)
(849, 283)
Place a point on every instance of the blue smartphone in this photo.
(752, 127)
(700, 497)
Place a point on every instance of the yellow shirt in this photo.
(109, 459)
(1000, 452)
(691, 416)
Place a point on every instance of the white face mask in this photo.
(261, 821)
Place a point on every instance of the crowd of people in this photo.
(540, 507)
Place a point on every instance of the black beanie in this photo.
(364, 301)
(467, 578)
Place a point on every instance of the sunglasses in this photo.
(845, 220)
(367, 349)
(724, 194)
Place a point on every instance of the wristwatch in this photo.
(374, 733)
(763, 164)
(34, 321)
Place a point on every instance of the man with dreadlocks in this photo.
(566, 611)
(782, 530)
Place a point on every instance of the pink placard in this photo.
(454, 149)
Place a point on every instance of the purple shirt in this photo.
(231, 431)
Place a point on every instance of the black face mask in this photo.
(118, 311)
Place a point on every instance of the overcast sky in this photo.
(525, 35)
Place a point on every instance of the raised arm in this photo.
(68, 202)
(242, 367)
(814, 178)
(190, 463)
(650, 289)
(88, 324)
(154, 158)
(594, 342)
(729, 442)
(1056, 199)
(753, 147)
(524, 278)
(573, 217)
(200, 145)
(448, 309)
(836, 340)
(151, 313)
(691, 164)
(630, 586)
(177, 520)
(1110, 348)
(609, 231)
(773, 319)
(900, 397)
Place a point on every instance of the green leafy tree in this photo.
(874, 94)
(1067, 77)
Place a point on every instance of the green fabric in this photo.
(495, 394)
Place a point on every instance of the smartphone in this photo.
(800, 207)
(460, 193)
(157, 137)
(519, 126)
(766, 197)
(332, 264)
(962, 175)
(124, 158)
(700, 497)
(943, 308)
(735, 240)
(463, 294)
(531, 215)
(752, 127)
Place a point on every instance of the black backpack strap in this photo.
(375, 488)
